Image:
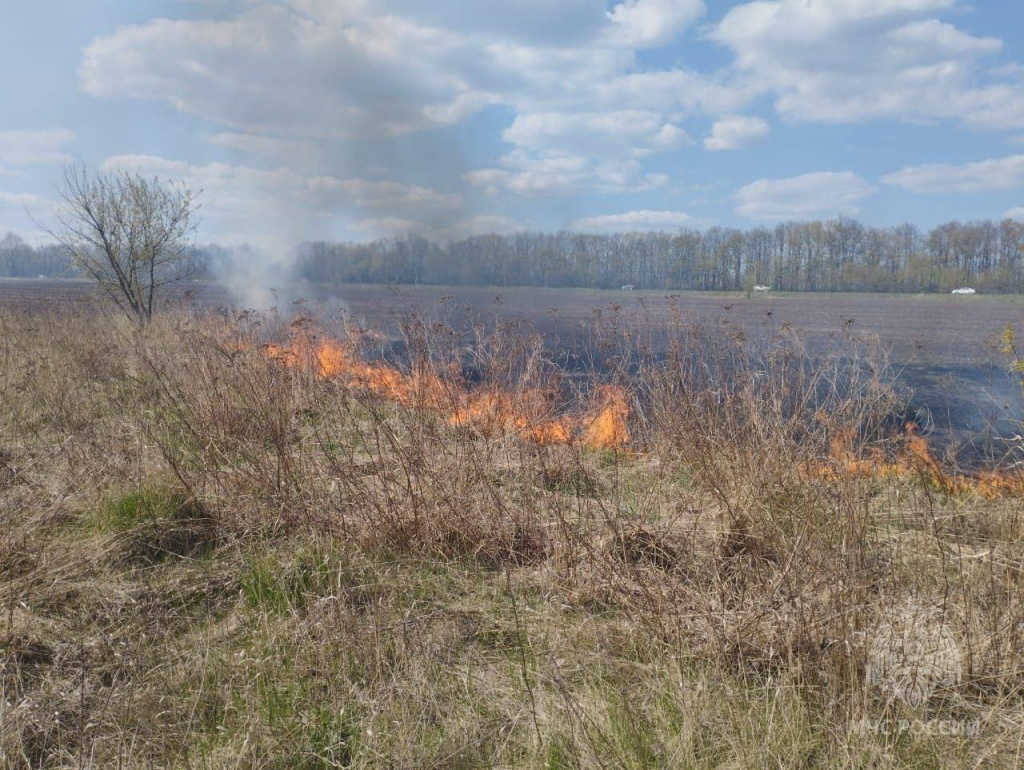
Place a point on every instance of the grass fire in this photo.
(524, 412)
(562, 384)
(290, 541)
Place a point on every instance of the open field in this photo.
(238, 542)
(944, 348)
(926, 329)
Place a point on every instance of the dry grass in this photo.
(212, 559)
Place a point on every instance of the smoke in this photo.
(256, 278)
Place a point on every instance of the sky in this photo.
(356, 119)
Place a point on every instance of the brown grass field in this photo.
(241, 540)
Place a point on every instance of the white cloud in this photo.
(674, 90)
(808, 196)
(634, 221)
(330, 69)
(734, 132)
(551, 22)
(385, 194)
(336, 69)
(1017, 214)
(626, 133)
(485, 224)
(235, 186)
(993, 174)
(22, 212)
(23, 148)
(854, 60)
(362, 71)
(560, 153)
(265, 146)
(652, 23)
(21, 200)
(1009, 70)
(553, 173)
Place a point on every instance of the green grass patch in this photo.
(127, 511)
(155, 523)
(277, 585)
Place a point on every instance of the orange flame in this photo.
(915, 458)
(526, 413)
(609, 428)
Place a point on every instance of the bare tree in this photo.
(129, 233)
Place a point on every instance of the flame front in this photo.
(527, 412)
(914, 458)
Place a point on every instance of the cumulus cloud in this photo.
(484, 224)
(734, 132)
(21, 200)
(21, 211)
(23, 148)
(993, 174)
(354, 69)
(550, 22)
(652, 23)
(808, 196)
(265, 146)
(381, 227)
(1016, 213)
(226, 182)
(841, 61)
(340, 69)
(635, 221)
(553, 173)
(624, 133)
(385, 194)
(329, 69)
(571, 152)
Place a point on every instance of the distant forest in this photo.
(21, 260)
(838, 255)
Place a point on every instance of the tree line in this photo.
(837, 255)
(19, 259)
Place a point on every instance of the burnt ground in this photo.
(944, 348)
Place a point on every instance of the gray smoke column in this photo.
(257, 278)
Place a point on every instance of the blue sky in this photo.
(353, 119)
